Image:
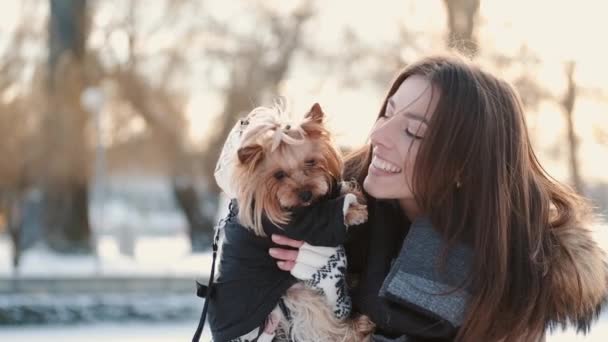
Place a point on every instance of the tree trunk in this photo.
(462, 15)
(10, 205)
(568, 106)
(201, 226)
(139, 94)
(65, 178)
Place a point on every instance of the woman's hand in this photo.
(304, 262)
(286, 258)
(322, 268)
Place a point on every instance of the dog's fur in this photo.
(282, 166)
(279, 161)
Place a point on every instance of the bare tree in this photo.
(65, 178)
(164, 118)
(21, 100)
(256, 65)
(13, 140)
(160, 104)
(567, 103)
(462, 16)
(257, 68)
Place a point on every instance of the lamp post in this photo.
(92, 100)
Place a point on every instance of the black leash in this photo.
(206, 292)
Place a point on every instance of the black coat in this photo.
(390, 250)
(250, 284)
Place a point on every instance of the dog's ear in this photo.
(252, 154)
(316, 114)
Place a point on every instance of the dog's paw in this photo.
(356, 214)
(352, 187)
(363, 325)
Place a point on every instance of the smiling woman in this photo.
(468, 238)
(396, 138)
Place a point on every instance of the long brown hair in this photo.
(479, 181)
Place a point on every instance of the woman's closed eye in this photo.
(414, 132)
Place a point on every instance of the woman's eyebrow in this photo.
(415, 116)
(405, 112)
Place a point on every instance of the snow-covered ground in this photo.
(183, 331)
(33, 309)
(152, 256)
(128, 332)
(131, 241)
(162, 256)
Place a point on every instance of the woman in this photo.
(469, 239)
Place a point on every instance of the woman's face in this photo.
(396, 138)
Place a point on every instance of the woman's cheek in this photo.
(409, 161)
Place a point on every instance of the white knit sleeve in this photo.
(324, 268)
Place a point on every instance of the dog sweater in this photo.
(250, 285)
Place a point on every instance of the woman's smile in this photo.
(382, 167)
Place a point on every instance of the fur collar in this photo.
(579, 279)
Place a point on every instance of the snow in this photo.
(138, 230)
(73, 309)
(152, 256)
(181, 331)
(127, 332)
(598, 333)
(163, 256)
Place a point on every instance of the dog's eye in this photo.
(280, 175)
(311, 162)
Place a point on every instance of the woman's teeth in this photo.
(384, 165)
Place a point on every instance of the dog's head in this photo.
(282, 166)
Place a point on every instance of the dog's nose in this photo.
(305, 196)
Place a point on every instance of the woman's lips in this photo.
(381, 167)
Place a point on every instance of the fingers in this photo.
(283, 254)
(286, 265)
(284, 240)
(286, 257)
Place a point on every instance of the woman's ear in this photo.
(251, 155)
(316, 114)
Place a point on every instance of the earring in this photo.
(458, 184)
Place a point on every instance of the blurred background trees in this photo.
(462, 16)
(172, 77)
(113, 113)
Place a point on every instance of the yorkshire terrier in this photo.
(283, 167)
(287, 180)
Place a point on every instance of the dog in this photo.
(287, 179)
(282, 167)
